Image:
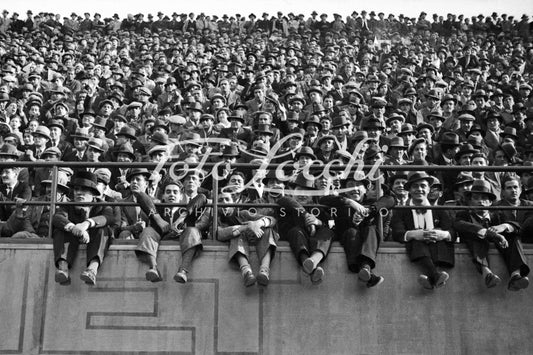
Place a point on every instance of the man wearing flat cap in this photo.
(81, 224)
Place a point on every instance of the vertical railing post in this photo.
(214, 222)
(53, 200)
(378, 194)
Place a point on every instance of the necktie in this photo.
(9, 193)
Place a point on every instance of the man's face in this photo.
(172, 193)
(225, 197)
(82, 194)
(357, 190)
(236, 182)
(326, 145)
(138, 183)
(419, 190)
(93, 154)
(478, 199)
(9, 176)
(511, 191)
(398, 187)
(420, 152)
(191, 183)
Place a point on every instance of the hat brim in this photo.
(430, 179)
(468, 194)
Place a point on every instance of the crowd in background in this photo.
(449, 90)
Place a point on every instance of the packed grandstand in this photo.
(261, 107)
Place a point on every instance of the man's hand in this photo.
(359, 209)
(84, 239)
(501, 241)
(311, 220)
(255, 228)
(500, 228)
(80, 228)
(430, 236)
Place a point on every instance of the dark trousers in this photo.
(479, 249)
(302, 243)
(66, 245)
(513, 255)
(441, 253)
(360, 246)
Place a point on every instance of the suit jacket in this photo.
(129, 215)
(514, 217)
(402, 221)
(102, 215)
(467, 224)
(21, 190)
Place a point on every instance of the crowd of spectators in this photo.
(396, 90)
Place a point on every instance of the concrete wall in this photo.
(214, 313)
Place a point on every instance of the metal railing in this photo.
(215, 188)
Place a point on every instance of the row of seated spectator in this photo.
(317, 96)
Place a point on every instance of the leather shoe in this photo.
(88, 276)
(62, 277)
(153, 275)
(309, 266)
(423, 280)
(365, 274)
(518, 283)
(248, 278)
(440, 280)
(317, 275)
(374, 280)
(492, 280)
(181, 276)
(263, 277)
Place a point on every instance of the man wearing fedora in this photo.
(477, 228)
(75, 225)
(427, 234)
(95, 149)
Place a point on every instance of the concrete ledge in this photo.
(215, 314)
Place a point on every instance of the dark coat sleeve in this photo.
(465, 228)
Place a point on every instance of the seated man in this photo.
(171, 224)
(34, 222)
(132, 218)
(10, 189)
(519, 221)
(243, 229)
(309, 236)
(75, 225)
(427, 233)
(355, 226)
(477, 228)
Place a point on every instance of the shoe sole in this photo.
(443, 277)
(249, 280)
(364, 275)
(263, 279)
(87, 279)
(381, 279)
(308, 266)
(494, 281)
(152, 276)
(62, 278)
(424, 282)
(180, 279)
(519, 284)
(317, 275)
